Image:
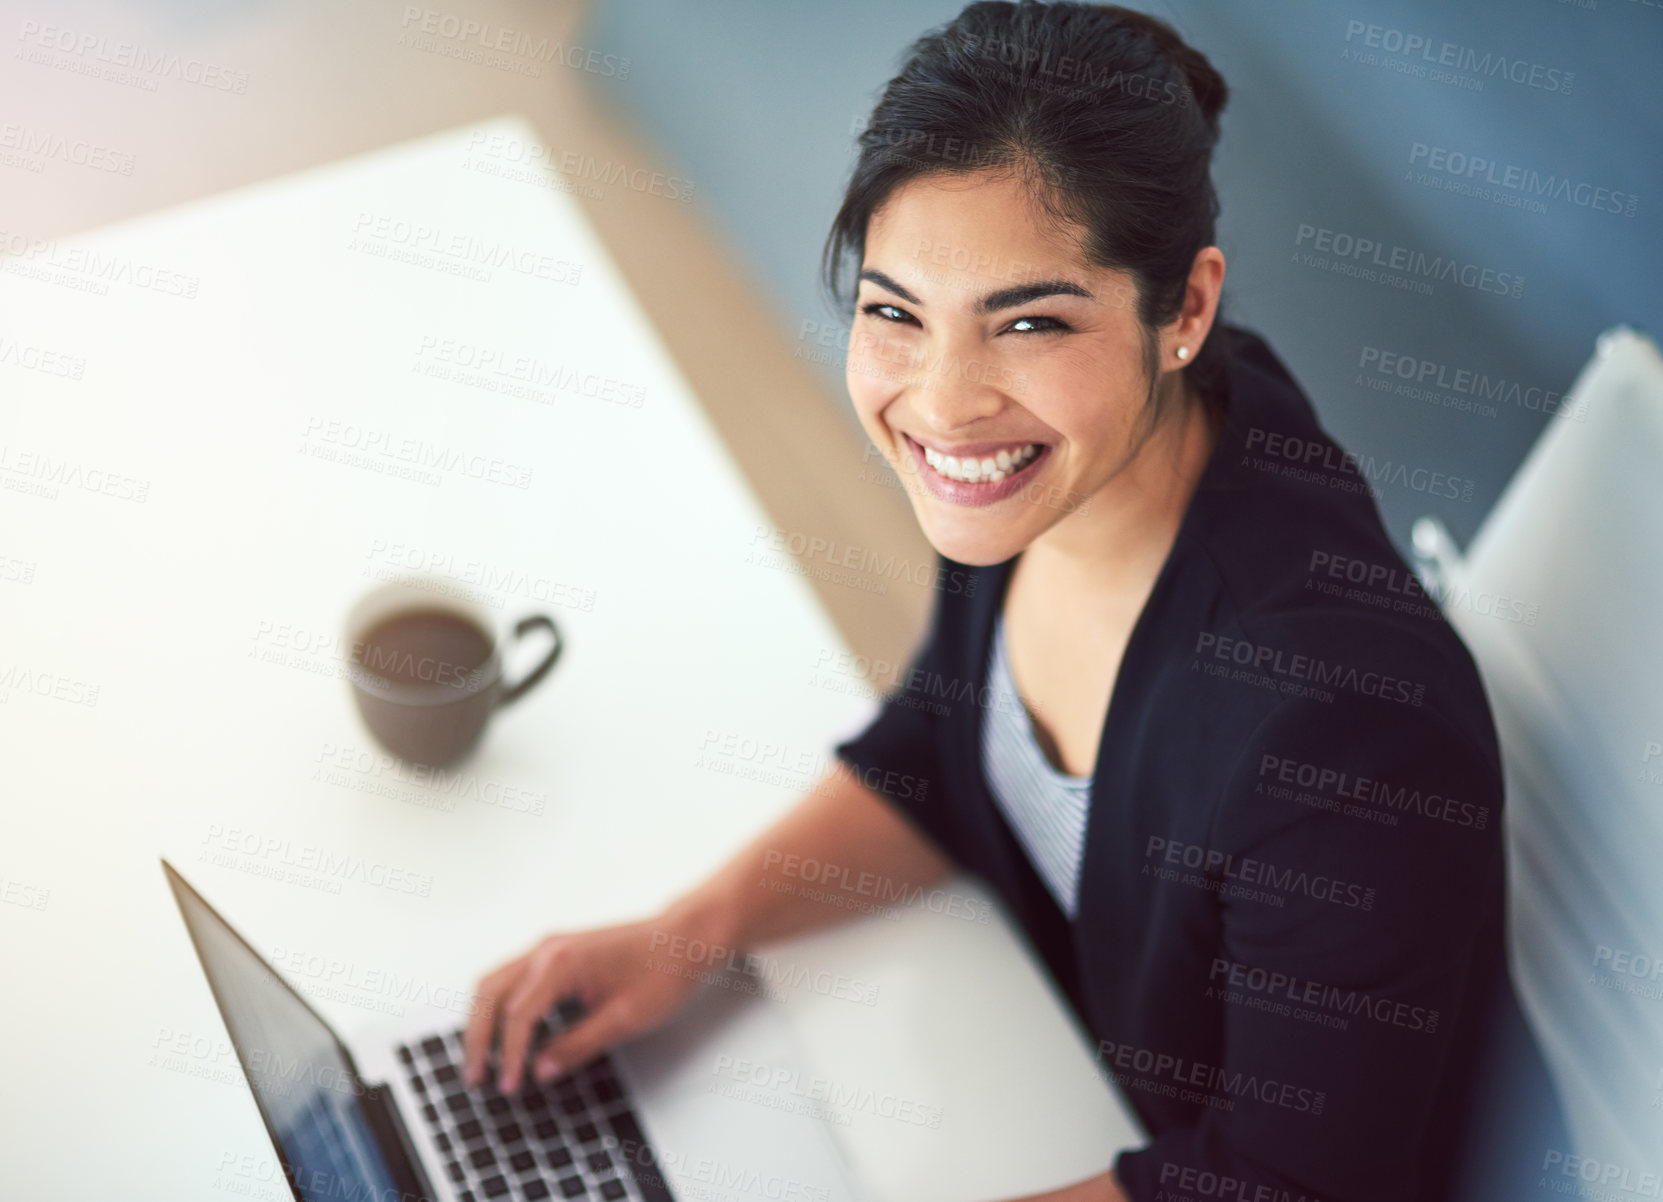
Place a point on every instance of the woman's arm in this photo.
(1101, 1188)
(851, 839)
(631, 977)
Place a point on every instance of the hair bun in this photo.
(1205, 84)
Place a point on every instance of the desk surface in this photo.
(221, 425)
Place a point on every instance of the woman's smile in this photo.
(978, 473)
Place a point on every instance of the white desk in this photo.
(183, 530)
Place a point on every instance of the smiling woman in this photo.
(1247, 813)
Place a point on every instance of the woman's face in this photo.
(981, 336)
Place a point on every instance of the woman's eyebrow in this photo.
(992, 302)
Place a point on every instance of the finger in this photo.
(617, 1019)
(477, 1036)
(543, 980)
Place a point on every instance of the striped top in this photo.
(1044, 806)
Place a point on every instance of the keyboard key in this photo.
(536, 1190)
(471, 1130)
(599, 1162)
(613, 1190)
(627, 1129)
(588, 1133)
(510, 1133)
(457, 1173)
(404, 1055)
(498, 1105)
(521, 1161)
(534, 1100)
(547, 1129)
(466, 1196)
(431, 1112)
(608, 1089)
(560, 1157)
(494, 1187)
(445, 1074)
(571, 1187)
(482, 1158)
(573, 1105)
(433, 1046)
(442, 1141)
(459, 1104)
(417, 1084)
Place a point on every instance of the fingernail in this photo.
(547, 1070)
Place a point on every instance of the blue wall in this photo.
(1329, 139)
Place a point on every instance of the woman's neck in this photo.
(1115, 544)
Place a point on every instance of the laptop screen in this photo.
(300, 1074)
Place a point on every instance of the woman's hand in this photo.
(609, 968)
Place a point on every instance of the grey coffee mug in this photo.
(438, 717)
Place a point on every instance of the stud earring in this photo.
(1183, 352)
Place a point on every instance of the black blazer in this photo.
(1290, 924)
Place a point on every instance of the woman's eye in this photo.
(1037, 325)
(886, 312)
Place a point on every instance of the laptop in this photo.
(709, 1108)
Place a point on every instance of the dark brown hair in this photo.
(1105, 112)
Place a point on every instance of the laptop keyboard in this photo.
(559, 1141)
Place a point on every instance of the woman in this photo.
(1246, 800)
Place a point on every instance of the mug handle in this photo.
(515, 691)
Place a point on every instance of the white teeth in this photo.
(991, 469)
